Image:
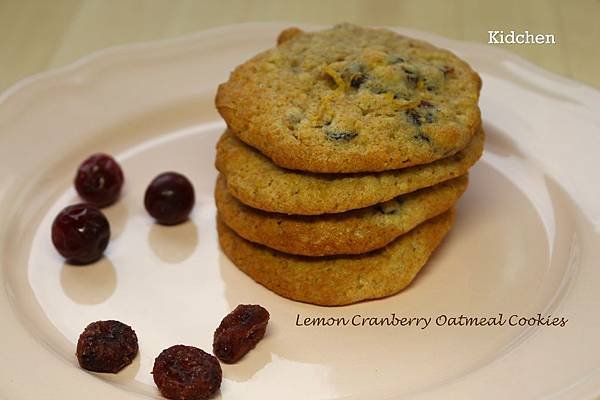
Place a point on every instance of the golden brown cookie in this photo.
(352, 99)
(257, 182)
(339, 280)
(352, 232)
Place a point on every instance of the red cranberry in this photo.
(80, 233)
(99, 180)
(169, 198)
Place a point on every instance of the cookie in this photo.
(339, 280)
(257, 182)
(352, 232)
(352, 99)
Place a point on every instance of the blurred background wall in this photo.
(36, 35)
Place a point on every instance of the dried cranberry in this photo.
(239, 332)
(80, 233)
(340, 136)
(186, 373)
(99, 180)
(106, 346)
(169, 198)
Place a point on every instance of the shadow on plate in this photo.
(173, 244)
(89, 284)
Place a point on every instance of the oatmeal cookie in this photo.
(352, 99)
(257, 182)
(352, 232)
(338, 280)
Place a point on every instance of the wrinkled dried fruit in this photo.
(239, 332)
(187, 373)
(106, 346)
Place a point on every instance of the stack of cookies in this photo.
(345, 152)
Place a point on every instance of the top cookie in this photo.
(352, 99)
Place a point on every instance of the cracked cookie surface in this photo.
(352, 232)
(352, 99)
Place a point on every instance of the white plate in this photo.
(526, 241)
